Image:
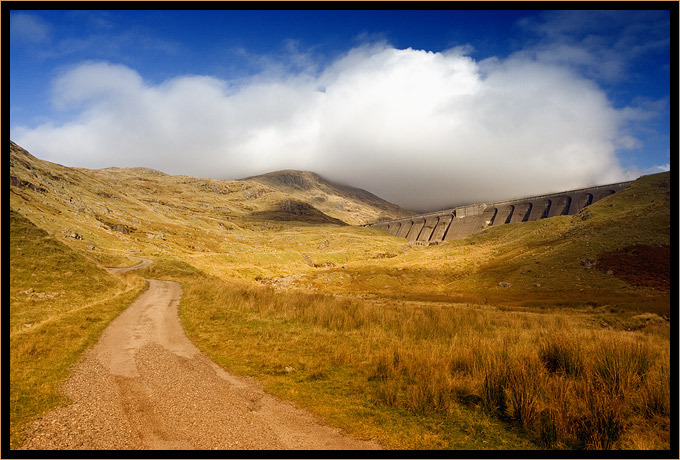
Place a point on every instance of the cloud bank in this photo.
(425, 130)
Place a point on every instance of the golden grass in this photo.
(60, 302)
(433, 368)
(418, 346)
(539, 263)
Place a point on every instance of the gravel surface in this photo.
(145, 386)
(142, 263)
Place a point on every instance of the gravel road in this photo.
(144, 385)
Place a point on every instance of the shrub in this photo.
(548, 428)
(654, 397)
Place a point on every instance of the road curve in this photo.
(144, 385)
(142, 263)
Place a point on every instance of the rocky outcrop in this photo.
(16, 182)
(116, 227)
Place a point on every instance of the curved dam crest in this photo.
(462, 221)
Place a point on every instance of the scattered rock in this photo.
(588, 262)
(16, 182)
(116, 227)
(41, 295)
(324, 265)
(120, 228)
(107, 195)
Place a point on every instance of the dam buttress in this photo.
(462, 221)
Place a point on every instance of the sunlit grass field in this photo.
(514, 338)
(565, 357)
(423, 375)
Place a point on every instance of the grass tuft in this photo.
(561, 355)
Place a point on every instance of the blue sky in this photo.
(424, 108)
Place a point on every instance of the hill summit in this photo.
(352, 205)
(284, 195)
(142, 206)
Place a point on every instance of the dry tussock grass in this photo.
(565, 383)
(441, 341)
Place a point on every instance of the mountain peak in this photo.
(349, 204)
(289, 178)
(283, 195)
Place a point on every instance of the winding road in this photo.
(144, 385)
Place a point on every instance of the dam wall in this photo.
(463, 221)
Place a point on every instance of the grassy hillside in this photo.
(121, 212)
(492, 341)
(349, 204)
(566, 260)
(421, 346)
(60, 302)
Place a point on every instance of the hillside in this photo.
(614, 252)
(60, 302)
(267, 228)
(352, 205)
(118, 197)
(421, 347)
(117, 211)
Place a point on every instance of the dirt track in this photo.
(145, 386)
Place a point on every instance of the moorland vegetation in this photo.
(552, 334)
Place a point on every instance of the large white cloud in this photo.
(424, 130)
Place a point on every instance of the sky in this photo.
(426, 109)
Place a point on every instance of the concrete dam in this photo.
(462, 221)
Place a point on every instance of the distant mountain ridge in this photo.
(350, 204)
(102, 194)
